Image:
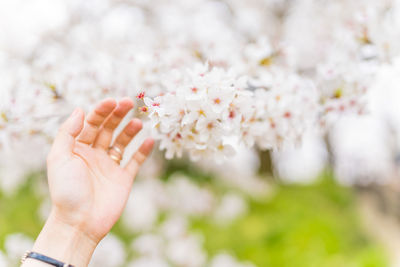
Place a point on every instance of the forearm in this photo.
(64, 243)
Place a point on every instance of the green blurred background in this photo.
(293, 225)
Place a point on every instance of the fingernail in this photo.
(75, 112)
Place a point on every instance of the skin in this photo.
(88, 188)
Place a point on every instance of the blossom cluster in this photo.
(198, 113)
(209, 112)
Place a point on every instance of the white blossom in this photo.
(148, 245)
(3, 260)
(186, 251)
(142, 209)
(149, 262)
(187, 198)
(16, 245)
(227, 260)
(231, 207)
(109, 253)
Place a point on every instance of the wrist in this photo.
(64, 242)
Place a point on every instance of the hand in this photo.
(89, 189)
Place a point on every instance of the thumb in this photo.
(69, 130)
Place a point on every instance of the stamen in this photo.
(140, 95)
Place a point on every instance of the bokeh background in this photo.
(332, 200)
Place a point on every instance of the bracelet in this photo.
(45, 259)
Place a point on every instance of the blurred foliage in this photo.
(19, 211)
(313, 225)
(192, 171)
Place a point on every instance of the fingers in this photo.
(105, 135)
(65, 139)
(95, 119)
(139, 157)
(126, 136)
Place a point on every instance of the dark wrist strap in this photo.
(43, 258)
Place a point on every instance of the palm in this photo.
(89, 187)
(103, 187)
